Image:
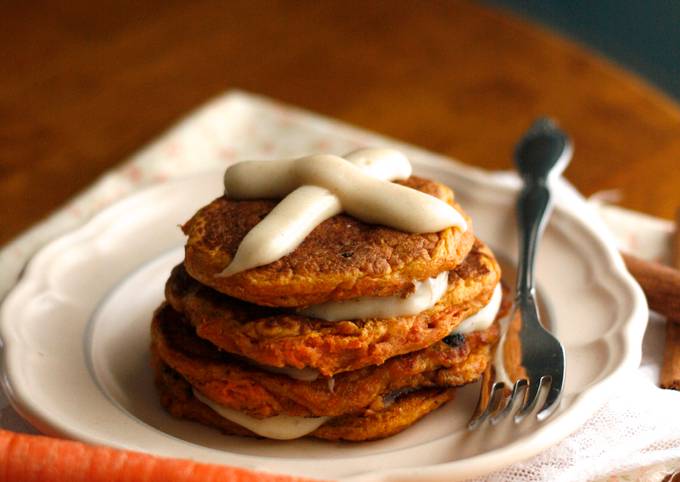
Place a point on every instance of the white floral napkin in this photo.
(635, 436)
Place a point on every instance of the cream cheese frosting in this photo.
(484, 317)
(315, 188)
(279, 427)
(426, 294)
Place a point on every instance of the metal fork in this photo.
(541, 156)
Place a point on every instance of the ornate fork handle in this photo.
(532, 207)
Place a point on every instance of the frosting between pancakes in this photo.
(484, 317)
(425, 296)
(279, 427)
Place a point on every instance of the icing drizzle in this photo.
(315, 188)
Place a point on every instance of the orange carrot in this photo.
(35, 458)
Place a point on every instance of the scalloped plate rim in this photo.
(584, 404)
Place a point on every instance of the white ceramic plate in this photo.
(76, 341)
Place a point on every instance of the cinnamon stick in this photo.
(670, 369)
(660, 283)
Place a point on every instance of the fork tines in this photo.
(500, 401)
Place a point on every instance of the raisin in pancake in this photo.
(280, 338)
(177, 397)
(340, 259)
(237, 384)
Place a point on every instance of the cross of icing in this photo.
(315, 188)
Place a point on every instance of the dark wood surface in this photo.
(85, 84)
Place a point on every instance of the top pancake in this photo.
(340, 259)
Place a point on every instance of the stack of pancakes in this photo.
(231, 351)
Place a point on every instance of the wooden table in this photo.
(86, 84)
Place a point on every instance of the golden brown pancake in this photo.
(235, 383)
(340, 259)
(283, 338)
(177, 397)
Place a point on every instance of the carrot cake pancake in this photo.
(263, 391)
(342, 258)
(281, 338)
